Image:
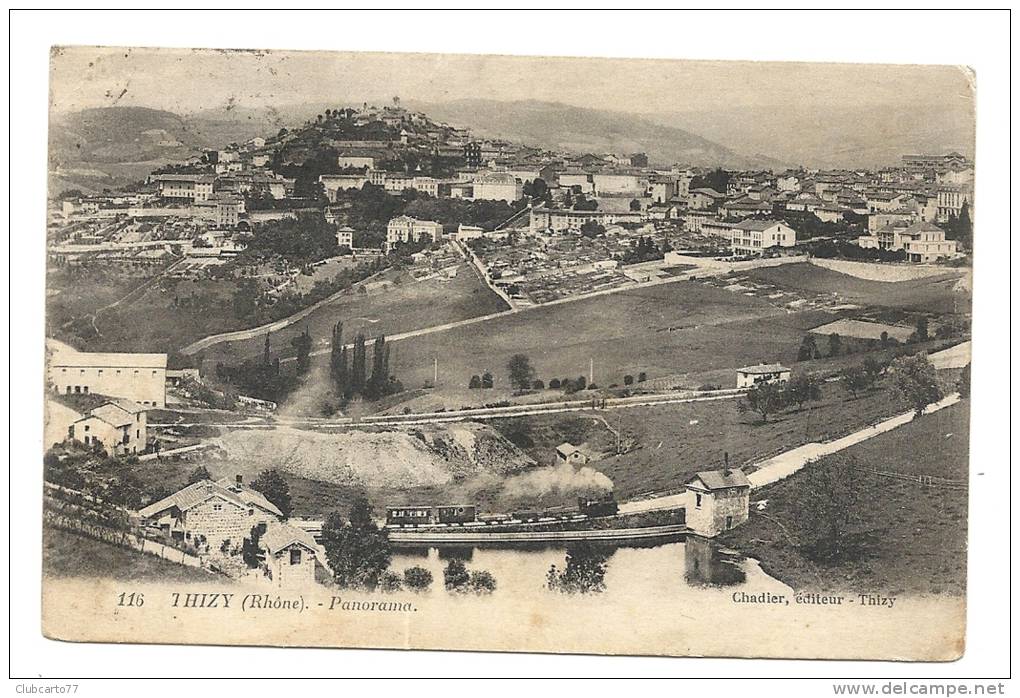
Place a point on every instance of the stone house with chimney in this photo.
(212, 514)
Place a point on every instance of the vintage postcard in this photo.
(508, 353)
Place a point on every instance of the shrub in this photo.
(417, 578)
(390, 582)
(482, 582)
(455, 576)
(628, 380)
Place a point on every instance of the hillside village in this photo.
(662, 335)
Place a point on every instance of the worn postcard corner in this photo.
(629, 357)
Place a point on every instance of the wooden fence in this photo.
(120, 537)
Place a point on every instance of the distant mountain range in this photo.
(110, 147)
(867, 136)
(562, 127)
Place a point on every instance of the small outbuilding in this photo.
(750, 376)
(292, 555)
(719, 501)
(568, 453)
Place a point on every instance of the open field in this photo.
(661, 330)
(394, 303)
(669, 443)
(67, 554)
(202, 307)
(931, 294)
(917, 542)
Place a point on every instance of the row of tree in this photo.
(351, 376)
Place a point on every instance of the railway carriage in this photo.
(408, 516)
(454, 514)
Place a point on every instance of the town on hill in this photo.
(305, 358)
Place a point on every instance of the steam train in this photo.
(461, 514)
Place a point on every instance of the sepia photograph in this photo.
(507, 353)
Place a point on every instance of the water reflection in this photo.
(692, 566)
(705, 564)
(585, 570)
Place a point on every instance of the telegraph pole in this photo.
(435, 371)
(591, 370)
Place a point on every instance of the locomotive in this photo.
(587, 508)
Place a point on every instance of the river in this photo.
(694, 567)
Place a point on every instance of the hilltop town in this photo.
(377, 314)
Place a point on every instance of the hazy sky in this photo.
(186, 81)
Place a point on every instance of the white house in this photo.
(404, 229)
(750, 376)
(118, 425)
(921, 241)
(719, 500)
(753, 237)
(345, 237)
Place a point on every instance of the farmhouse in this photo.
(138, 377)
(750, 376)
(118, 425)
(719, 501)
(211, 513)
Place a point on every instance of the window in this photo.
(217, 507)
(77, 388)
(295, 556)
(729, 522)
(697, 500)
(100, 372)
